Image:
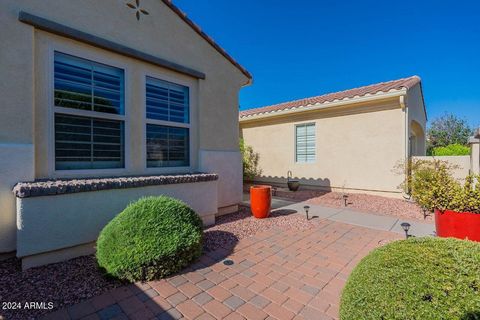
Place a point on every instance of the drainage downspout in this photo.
(403, 105)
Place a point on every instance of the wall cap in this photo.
(473, 140)
(52, 187)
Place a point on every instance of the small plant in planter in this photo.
(456, 206)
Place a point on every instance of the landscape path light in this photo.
(306, 208)
(405, 227)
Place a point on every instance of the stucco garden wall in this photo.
(461, 164)
(48, 223)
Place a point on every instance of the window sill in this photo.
(54, 187)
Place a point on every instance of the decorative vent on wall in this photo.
(139, 11)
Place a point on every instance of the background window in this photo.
(89, 114)
(305, 142)
(167, 127)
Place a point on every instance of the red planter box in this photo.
(461, 225)
(260, 201)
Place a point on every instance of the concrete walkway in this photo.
(353, 217)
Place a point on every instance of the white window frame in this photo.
(295, 142)
(190, 125)
(94, 56)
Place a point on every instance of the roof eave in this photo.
(207, 38)
(325, 105)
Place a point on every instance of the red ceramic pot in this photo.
(260, 201)
(461, 225)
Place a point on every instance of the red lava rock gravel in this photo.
(372, 204)
(63, 284)
(357, 201)
(231, 228)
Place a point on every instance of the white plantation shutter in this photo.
(89, 114)
(166, 101)
(167, 122)
(87, 85)
(305, 142)
(88, 143)
(167, 146)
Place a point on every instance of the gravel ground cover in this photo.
(373, 204)
(357, 201)
(63, 284)
(233, 227)
(79, 279)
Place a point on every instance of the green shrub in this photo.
(152, 238)
(250, 161)
(419, 278)
(432, 186)
(451, 150)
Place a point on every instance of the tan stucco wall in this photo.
(25, 77)
(357, 147)
(417, 119)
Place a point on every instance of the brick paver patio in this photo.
(275, 275)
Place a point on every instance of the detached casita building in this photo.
(350, 140)
(126, 92)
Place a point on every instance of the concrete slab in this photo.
(345, 215)
(365, 219)
(314, 211)
(417, 228)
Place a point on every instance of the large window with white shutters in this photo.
(167, 124)
(305, 142)
(89, 114)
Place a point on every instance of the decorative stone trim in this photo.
(41, 188)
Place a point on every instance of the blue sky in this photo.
(297, 49)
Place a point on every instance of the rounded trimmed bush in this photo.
(152, 238)
(419, 278)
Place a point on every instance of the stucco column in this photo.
(475, 154)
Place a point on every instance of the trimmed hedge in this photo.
(152, 238)
(419, 278)
(451, 150)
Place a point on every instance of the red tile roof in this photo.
(198, 30)
(383, 87)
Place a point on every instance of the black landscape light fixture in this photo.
(405, 227)
(306, 208)
(228, 262)
(345, 200)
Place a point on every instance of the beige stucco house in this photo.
(129, 90)
(350, 140)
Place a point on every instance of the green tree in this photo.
(446, 130)
(250, 161)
